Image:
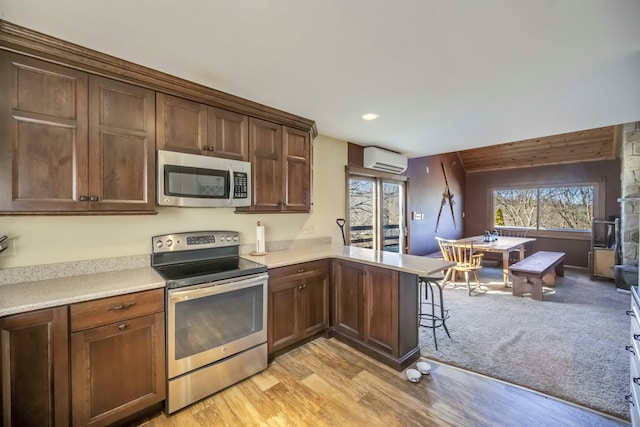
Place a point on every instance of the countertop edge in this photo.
(24, 297)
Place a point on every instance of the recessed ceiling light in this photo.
(370, 116)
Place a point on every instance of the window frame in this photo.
(599, 203)
(378, 177)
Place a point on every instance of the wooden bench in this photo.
(541, 268)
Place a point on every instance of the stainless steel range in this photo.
(216, 311)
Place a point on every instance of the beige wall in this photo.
(50, 239)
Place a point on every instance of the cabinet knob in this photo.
(93, 198)
(122, 327)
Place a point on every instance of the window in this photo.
(545, 208)
(376, 213)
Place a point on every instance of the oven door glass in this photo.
(207, 323)
(185, 181)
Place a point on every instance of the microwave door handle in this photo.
(230, 201)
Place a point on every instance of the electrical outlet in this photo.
(10, 245)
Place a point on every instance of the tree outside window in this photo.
(545, 208)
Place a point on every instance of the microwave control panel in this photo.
(240, 185)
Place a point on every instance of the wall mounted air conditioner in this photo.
(383, 160)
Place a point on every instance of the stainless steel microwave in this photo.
(191, 180)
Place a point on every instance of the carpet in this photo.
(570, 346)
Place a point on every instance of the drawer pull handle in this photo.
(636, 337)
(122, 327)
(629, 399)
(636, 380)
(300, 270)
(629, 348)
(631, 313)
(121, 307)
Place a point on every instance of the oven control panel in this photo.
(194, 240)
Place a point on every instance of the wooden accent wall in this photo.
(574, 147)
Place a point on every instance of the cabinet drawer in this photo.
(103, 311)
(302, 270)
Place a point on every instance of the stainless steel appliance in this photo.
(191, 180)
(216, 311)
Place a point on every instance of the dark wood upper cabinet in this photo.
(181, 124)
(195, 128)
(296, 149)
(43, 136)
(121, 146)
(227, 134)
(73, 143)
(281, 168)
(265, 154)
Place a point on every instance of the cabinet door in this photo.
(43, 136)
(265, 153)
(227, 134)
(381, 309)
(117, 370)
(284, 322)
(181, 125)
(296, 155)
(314, 303)
(348, 298)
(34, 369)
(121, 146)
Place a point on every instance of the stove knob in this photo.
(235, 238)
(169, 242)
(228, 238)
(159, 243)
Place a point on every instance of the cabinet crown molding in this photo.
(29, 42)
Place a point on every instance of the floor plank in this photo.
(327, 383)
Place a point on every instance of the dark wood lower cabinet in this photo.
(117, 369)
(34, 369)
(298, 303)
(375, 311)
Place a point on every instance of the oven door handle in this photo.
(204, 290)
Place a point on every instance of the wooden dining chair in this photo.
(514, 256)
(460, 252)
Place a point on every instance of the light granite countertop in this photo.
(28, 296)
(419, 265)
(34, 295)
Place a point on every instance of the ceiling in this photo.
(443, 75)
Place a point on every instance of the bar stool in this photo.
(437, 316)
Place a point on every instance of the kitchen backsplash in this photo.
(68, 269)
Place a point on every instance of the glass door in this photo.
(376, 213)
(392, 216)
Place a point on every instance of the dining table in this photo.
(503, 245)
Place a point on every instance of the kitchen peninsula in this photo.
(365, 298)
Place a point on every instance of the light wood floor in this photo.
(326, 383)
